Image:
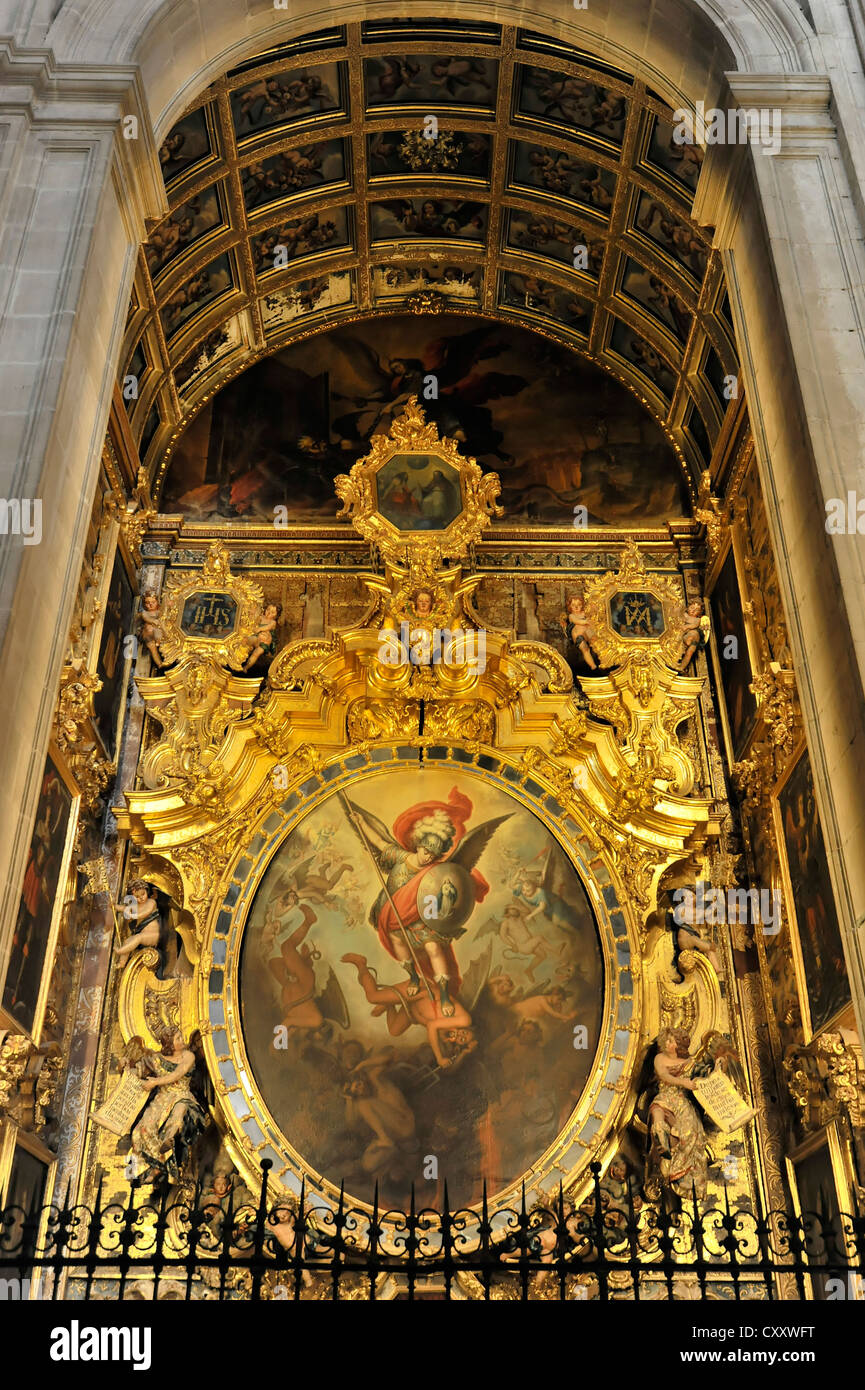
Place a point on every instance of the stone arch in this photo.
(748, 35)
(204, 37)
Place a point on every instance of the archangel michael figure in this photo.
(430, 886)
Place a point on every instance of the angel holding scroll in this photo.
(678, 1139)
(174, 1115)
(677, 1148)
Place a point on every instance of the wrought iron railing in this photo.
(206, 1246)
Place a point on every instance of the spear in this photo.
(358, 828)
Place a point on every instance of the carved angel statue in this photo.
(226, 1195)
(694, 633)
(176, 1112)
(678, 1140)
(670, 1118)
(263, 635)
(423, 602)
(577, 627)
(142, 913)
(683, 920)
(155, 920)
(150, 626)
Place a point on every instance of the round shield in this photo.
(446, 898)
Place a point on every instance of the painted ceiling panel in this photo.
(391, 166)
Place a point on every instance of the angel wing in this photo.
(557, 880)
(489, 928)
(332, 1002)
(294, 877)
(301, 873)
(180, 925)
(716, 1049)
(283, 880)
(474, 844)
(542, 987)
(137, 1057)
(481, 387)
(371, 378)
(453, 359)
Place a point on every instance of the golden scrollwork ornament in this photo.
(632, 610)
(211, 613)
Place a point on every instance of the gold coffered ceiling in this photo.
(304, 192)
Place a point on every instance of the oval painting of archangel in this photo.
(417, 968)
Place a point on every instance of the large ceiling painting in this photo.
(422, 989)
(560, 432)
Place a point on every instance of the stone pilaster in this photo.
(74, 195)
(791, 238)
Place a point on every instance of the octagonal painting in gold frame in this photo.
(415, 483)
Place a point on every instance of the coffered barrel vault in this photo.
(380, 167)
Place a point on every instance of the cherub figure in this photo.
(681, 920)
(576, 624)
(692, 633)
(171, 147)
(150, 622)
(264, 635)
(227, 1191)
(282, 1225)
(423, 603)
(144, 919)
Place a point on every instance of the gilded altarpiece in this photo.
(262, 815)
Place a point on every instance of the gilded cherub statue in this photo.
(576, 625)
(146, 926)
(150, 626)
(263, 635)
(694, 633)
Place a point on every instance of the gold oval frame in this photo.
(251, 1131)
